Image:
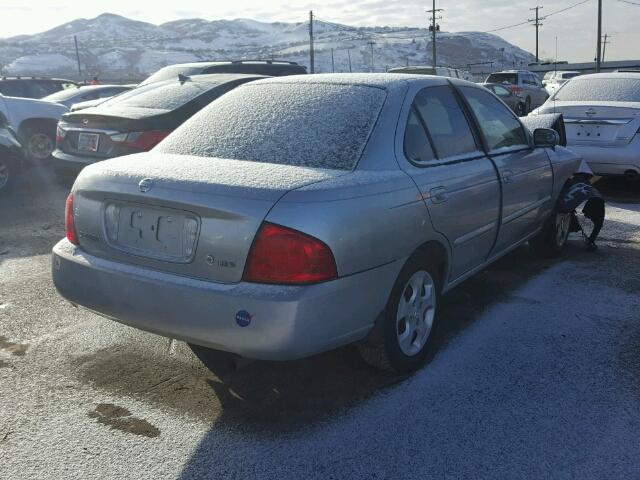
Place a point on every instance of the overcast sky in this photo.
(575, 28)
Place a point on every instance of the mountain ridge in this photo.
(115, 46)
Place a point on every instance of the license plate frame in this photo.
(153, 232)
(88, 142)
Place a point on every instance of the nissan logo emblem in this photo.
(145, 185)
(85, 121)
(590, 112)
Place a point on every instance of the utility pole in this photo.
(311, 59)
(75, 39)
(433, 27)
(604, 45)
(599, 46)
(371, 43)
(536, 24)
(349, 55)
(502, 58)
(333, 65)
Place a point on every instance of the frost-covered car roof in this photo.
(379, 80)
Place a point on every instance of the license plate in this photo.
(587, 132)
(160, 233)
(88, 142)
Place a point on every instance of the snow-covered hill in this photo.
(113, 46)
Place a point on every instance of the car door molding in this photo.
(523, 211)
(473, 234)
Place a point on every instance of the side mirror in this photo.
(545, 138)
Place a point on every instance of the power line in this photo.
(630, 3)
(546, 16)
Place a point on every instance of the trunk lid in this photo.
(607, 124)
(193, 216)
(99, 125)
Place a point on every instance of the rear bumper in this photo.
(286, 322)
(611, 160)
(68, 164)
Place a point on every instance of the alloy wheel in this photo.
(4, 174)
(416, 312)
(563, 224)
(40, 146)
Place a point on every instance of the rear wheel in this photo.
(527, 106)
(520, 109)
(408, 319)
(550, 242)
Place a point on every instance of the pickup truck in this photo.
(35, 123)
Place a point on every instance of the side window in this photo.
(501, 91)
(43, 89)
(500, 127)
(445, 121)
(13, 89)
(416, 143)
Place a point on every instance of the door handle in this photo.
(439, 195)
(507, 176)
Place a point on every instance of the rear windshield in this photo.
(600, 90)
(510, 78)
(277, 70)
(312, 125)
(162, 96)
(171, 73)
(63, 95)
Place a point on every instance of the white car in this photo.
(602, 118)
(35, 122)
(555, 79)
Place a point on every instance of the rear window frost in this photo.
(312, 125)
(161, 96)
(600, 90)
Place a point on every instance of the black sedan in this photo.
(136, 121)
(513, 99)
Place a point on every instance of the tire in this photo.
(552, 240)
(6, 175)
(39, 145)
(527, 106)
(520, 109)
(405, 338)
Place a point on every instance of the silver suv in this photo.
(522, 82)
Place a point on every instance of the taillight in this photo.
(140, 140)
(514, 88)
(69, 222)
(284, 256)
(60, 134)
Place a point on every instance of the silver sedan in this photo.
(296, 215)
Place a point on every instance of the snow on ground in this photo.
(535, 374)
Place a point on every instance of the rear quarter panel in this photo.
(368, 218)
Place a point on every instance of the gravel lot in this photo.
(535, 374)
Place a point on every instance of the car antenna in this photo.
(183, 78)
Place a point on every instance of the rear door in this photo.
(457, 181)
(525, 173)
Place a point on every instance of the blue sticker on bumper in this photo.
(243, 318)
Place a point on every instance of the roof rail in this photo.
(270, 62)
